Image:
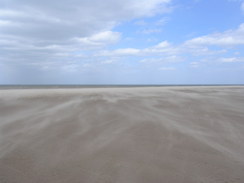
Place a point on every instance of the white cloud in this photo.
(127, 51)
(162, 52)
(99, 39)
(227, 38)
(194, 64)
(167, 68)
(70, 67)
(164, 44)
(8, 13)
(231, 59)
(149, 8)
(164, 48)
(39, 30)
(196, 47)
(141, 23)
(163, 59)
(63, 19)
(109, 60)
(120, 52)
(4, 23)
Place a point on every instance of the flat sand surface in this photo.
(122, 135)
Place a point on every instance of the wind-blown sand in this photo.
(122, 135)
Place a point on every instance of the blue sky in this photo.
(122, 42)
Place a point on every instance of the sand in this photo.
(122, 135)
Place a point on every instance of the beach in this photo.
(184, 134)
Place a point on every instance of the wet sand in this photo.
(122, 135)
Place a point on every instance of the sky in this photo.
(122, 42)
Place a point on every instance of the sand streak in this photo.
(122, 135)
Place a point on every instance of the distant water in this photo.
(4, 87)
(70, 86)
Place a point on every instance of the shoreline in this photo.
(9, 87)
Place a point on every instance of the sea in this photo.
(54, 86)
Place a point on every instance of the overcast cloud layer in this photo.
(108, 42)
(53, 24)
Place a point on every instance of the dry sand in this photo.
(122, 135)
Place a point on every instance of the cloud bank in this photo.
(58, 22)
(227, 38)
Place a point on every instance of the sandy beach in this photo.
(122, 135)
